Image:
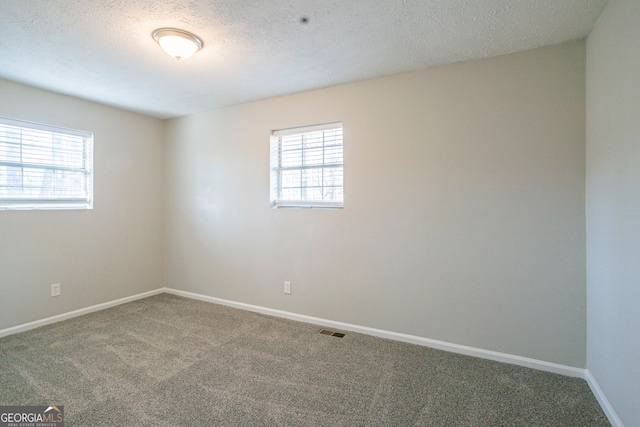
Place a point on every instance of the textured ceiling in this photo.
(102, 50)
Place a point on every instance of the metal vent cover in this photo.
(331, 333)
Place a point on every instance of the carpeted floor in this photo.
(172, 361)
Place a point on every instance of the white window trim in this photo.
(35, 203)
(278, 203)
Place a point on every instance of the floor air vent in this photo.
(331, 333)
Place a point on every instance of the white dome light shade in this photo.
(176, 43)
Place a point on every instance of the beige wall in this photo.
(464, 206)
(613, 206)
(110, 252)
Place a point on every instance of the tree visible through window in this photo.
(44, 167)
(307, 166)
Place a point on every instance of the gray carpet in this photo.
(171, 361)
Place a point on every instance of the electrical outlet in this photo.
(55, 290)
(287, 287)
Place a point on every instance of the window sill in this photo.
(291, 204)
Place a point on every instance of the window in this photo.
(307, 167)
(44, 167)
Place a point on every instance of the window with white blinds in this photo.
(307, 167)
(44, 167)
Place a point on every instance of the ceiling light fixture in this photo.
(176, 43)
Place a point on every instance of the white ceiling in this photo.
(102, 50)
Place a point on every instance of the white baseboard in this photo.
(76, 313)
(602, 400)
(441, 345)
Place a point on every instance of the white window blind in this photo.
(44, 167)
(307, 167)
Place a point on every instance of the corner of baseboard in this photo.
(75, 313)
(602, 400)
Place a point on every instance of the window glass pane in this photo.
(290, 194)
(333, 193)
(312, 177)
(333, 177)
(290, 178)
(313, 193)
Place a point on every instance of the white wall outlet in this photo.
(287, 287)
(55, 290)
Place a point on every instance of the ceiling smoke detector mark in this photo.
(331, 333)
